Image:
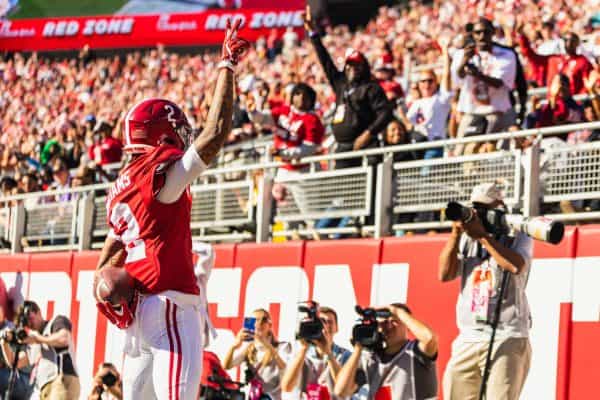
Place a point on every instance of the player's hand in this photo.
(234, 47)
(309, 24)
(121, 315)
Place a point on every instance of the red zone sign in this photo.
(562, 290)
(124, 31)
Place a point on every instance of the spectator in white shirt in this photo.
(428, 115)
(485, 74)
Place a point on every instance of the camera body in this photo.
(17, 334)
(109, 379)
(493, 220)
(14, 336)
(311, 326)
(366, 331)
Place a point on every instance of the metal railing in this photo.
(326, 194)
(572, 172)
(428, 185)
(236, 203)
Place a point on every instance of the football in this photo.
(114, 285)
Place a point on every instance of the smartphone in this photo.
(250, 325)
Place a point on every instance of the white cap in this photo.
(486, 193)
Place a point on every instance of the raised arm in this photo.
(219, 120)
(332, 73)
(448, 262)
(217, 125)
(293, 370)
(445, 82)
(525, 46)
(345, 383)
(428, 342)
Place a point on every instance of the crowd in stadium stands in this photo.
(59, 116)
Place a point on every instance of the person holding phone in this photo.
(107, 383)
(262, 357)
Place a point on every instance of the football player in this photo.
(149, 212)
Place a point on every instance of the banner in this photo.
(21, 9)
(562, 292)
(124, 31)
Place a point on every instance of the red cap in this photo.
(382, 64)
(355, 56)
(392, 87)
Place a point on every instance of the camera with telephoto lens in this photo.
(366, 331)
(492, 219)
(498, 222)
(311, 326)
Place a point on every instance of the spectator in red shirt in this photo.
(384, 73)
(298, 131)
(106, 148)
(575, 66)
(561, 108)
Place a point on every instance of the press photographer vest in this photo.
(408, 375)
(515, 316)
(48, 363)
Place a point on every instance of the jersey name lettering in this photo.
(121, 184)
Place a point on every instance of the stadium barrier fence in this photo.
(236, 203)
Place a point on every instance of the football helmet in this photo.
(154, 122)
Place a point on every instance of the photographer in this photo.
(50, 348)
(314, 367)
(485, 74)
(476, 254)
(261, 354)
(107, 384)
(22, 389)
(392, 366)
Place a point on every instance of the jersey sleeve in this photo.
(277, 112)
(155, 175)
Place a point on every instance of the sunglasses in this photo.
(429, 80)
(479, 32)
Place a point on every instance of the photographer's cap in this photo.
(486, 193)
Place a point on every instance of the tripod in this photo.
(488, 359)
(12, 380)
